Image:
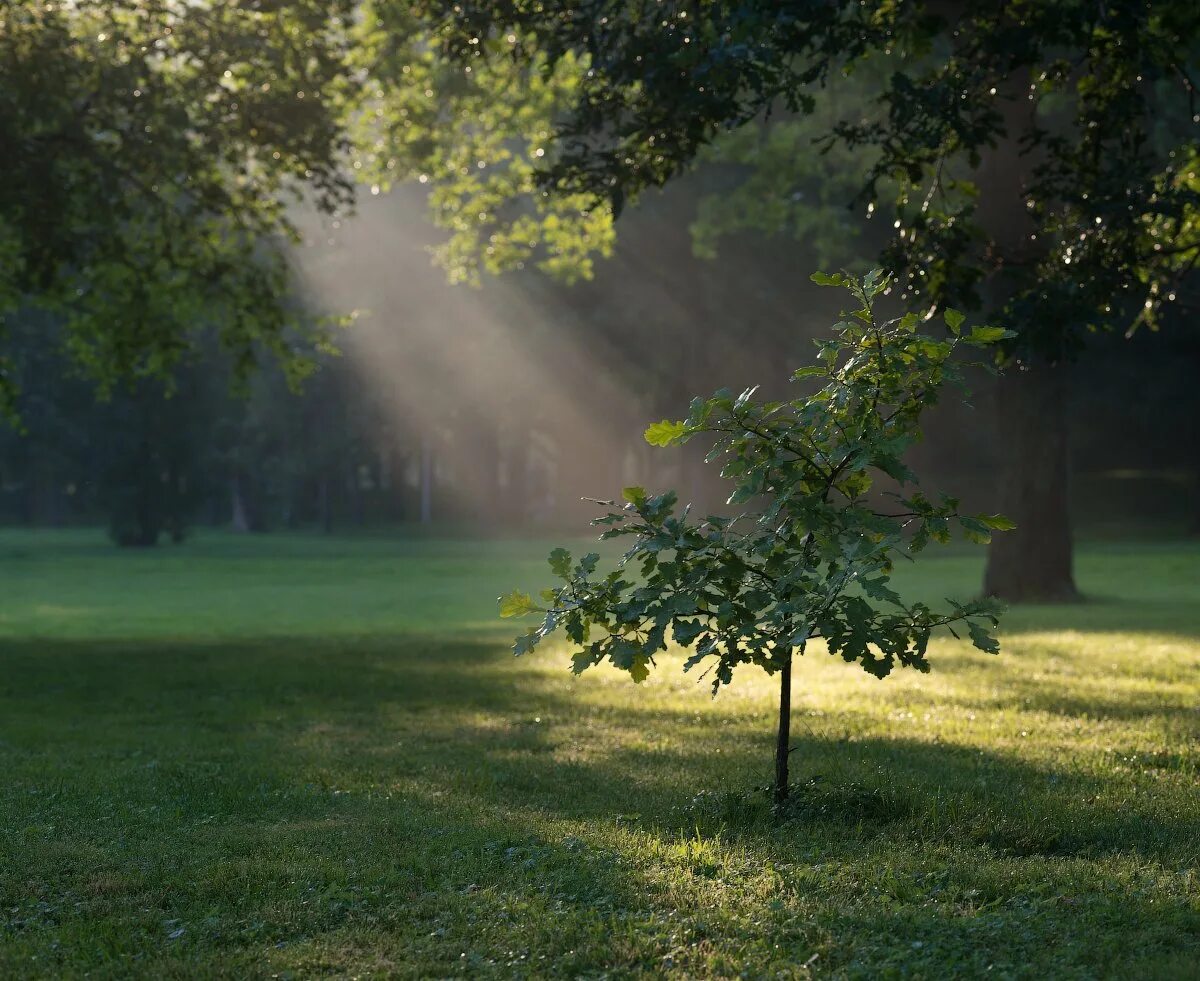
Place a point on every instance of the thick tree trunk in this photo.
(1034, 561)
(783, 737)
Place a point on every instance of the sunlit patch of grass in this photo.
(296, 755)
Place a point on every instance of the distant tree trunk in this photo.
(325, 504)
(240, 519)
(783, 737)
(398, 467)
(486, 471)
(1196, 493)
(24, 465)
(358, 497)
(55, 503)
(426, 478)
(516, 491)
(1033, 562)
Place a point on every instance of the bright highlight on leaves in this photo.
(665, 433)
(988, 335)
(832, 506)
(517, 604)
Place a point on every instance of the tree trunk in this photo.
(426, 477)
(326, 504)
(516, 491)
(784, 736)
(397, 485)
(1034, 561)
(1196, 489)
(239, 519)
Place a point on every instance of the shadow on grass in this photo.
(382, 710)
(399, 784)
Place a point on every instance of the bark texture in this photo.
(1033, 563)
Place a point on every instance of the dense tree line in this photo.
(438, 409)
(1037, 161)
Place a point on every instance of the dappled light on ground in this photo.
(388, 800)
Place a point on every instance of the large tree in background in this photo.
(1040, 159)
(151, 148)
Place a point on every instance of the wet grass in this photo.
(274, 756)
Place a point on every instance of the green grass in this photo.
(294, 756)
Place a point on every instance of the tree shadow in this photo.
(501, 775)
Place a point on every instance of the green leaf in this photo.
(686, 631)
(954, 320)
(988, 335)
(809, 371)
(825, 279)
(577, 628)
(582, 661)
(665, 433)
(517, 604)
(976, 530)
(639, 669)
(634, 495)
(982, 639)
(997, 522)
(560, 563)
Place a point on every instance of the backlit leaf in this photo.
(665, 433)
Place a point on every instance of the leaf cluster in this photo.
(824, 507)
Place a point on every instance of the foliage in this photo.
(811, 556)
(785, 178)
(475, 134)
(1090, 108)
(151, 149)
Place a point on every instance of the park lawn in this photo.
(295, 756)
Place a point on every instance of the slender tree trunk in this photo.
(1195, 529)
(426, 477)
(784, 736)
(516, 504)
(239, 515)
(326, 504)
(1033, 562)
(399, 485)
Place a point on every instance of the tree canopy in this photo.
(151, 150)
(1098, 101)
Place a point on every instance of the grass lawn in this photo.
(292, 756)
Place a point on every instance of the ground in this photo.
(289, 756)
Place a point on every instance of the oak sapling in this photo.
(811, 555)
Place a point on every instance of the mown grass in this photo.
(306, 757)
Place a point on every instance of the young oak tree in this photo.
(812, 555)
